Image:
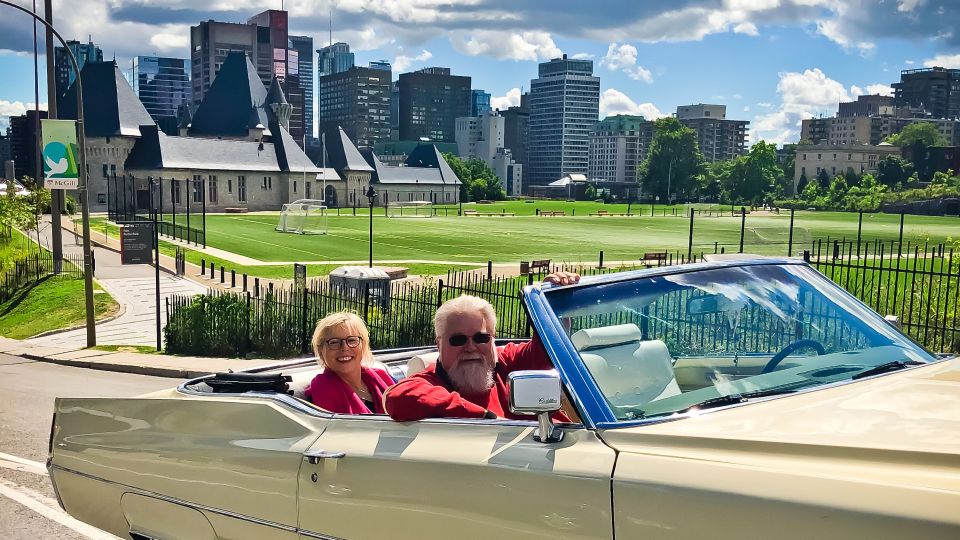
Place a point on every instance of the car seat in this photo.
(630, 371)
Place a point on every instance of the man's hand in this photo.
(562, 278)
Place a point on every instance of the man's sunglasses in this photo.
(459, 340)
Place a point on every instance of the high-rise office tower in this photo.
(265, 40)
(936, 90)
(618, 145)
(84, 52)
(516, 129)
(334, 59)
(357, 100)
(380, 64)
(303, 45)
(720, 139)
(479, 102)
(162, 84)
(564, 106)
(431, 100)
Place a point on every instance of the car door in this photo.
(436, 479)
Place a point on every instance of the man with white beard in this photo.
(469, 379)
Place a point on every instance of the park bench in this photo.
(656, 256)
(475, 213)
(607, 213)
(542, 265)
(552, 213)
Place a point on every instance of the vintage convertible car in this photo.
(737, 399)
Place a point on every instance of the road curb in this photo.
(154, 371)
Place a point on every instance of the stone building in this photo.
(839, 158)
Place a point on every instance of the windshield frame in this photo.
(589, 397)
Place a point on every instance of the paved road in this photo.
(133, 286)
(28, 508)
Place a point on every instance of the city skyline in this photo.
(772, 63)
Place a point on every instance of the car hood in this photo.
(906, 417)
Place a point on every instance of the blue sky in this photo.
(772, 62)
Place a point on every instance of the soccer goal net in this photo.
(410, 209)
(303, 216)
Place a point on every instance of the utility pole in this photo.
(56, 195)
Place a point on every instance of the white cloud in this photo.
(746, 108)
(624, 57)
(507, 45)
(908, 5)
(803, 95)
(511, 99)
(737, 96)
(836, 32)
(583, 56)
(909, 62)
(613, 101)
(14, 108)
(402, 61)
(764, 104)
(880, 88)
(949, 61)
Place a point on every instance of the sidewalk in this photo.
(157, 365)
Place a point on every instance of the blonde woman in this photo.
(346, 385)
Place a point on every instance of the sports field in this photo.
(569, 238)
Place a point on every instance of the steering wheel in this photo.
(785, 352)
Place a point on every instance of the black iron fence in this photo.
(30, 268)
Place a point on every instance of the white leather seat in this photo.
(421, 362)
(632, 372)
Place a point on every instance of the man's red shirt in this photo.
(430, 394)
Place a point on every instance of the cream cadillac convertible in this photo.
(743, 399)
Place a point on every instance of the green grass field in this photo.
(440, 242)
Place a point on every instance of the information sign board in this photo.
(136, 243)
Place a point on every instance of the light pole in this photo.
(371, 195)
(156, 248)
(669, 177)
(82, 181)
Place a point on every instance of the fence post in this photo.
(489, 270)
(439, 292)
(859, 230)
(213, 269)
(245, 283)
(743, 225)
(900, 240)
(203, 267)
(221, 274)
(303, 325)
(233, 278)
(246, 325)
(690, 238)
(366, 303)
(601, 260)
(790, 240)
(256, 287)
(806, 256)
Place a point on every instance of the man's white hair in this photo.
(464, 303)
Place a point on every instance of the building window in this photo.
(212, 188)
(104, 170)
(294, 186)
(267, 183)
(229, 185)
(242, 188)
(197, 188)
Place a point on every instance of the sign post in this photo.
(60, 164)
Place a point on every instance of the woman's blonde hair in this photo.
(341, 318)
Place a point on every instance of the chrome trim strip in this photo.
(309, 534)
(284, 399)
(188, 504)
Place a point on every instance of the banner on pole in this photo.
(60, 168)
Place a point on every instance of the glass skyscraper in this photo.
(162, 84)
(303, 45)
(564, 106)
(479, 102)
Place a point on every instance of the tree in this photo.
(925, 132)
(789, 164)
(893, 170)
(823, 179)
(674, 164)
(801, 184)
(477, 180)
(851, 177)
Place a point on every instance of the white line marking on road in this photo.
(48, 508)
(8, 461)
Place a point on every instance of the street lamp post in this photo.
(82, 181)
(371, 195)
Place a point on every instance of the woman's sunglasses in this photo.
(459, 340)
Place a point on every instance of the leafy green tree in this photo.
(893, 170)
(823, 179)
(801, 184)
(851, 177)
(925, 132)
(589, 192)
(477, 179)
(789, 163)
(674, 165)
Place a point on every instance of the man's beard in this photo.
(472, 377)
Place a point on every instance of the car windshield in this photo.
(676, 343)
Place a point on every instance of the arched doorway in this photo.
(330, 197)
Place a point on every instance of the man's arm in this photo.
(416, 398)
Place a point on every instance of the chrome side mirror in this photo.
(894, 321)
(539, 393)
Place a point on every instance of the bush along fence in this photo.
(278, 322)
(920, 284)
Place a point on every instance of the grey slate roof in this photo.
(110, 107)
(388, 174)
(155, 150)
(427, 155)
(342, 155)
(234, 103)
